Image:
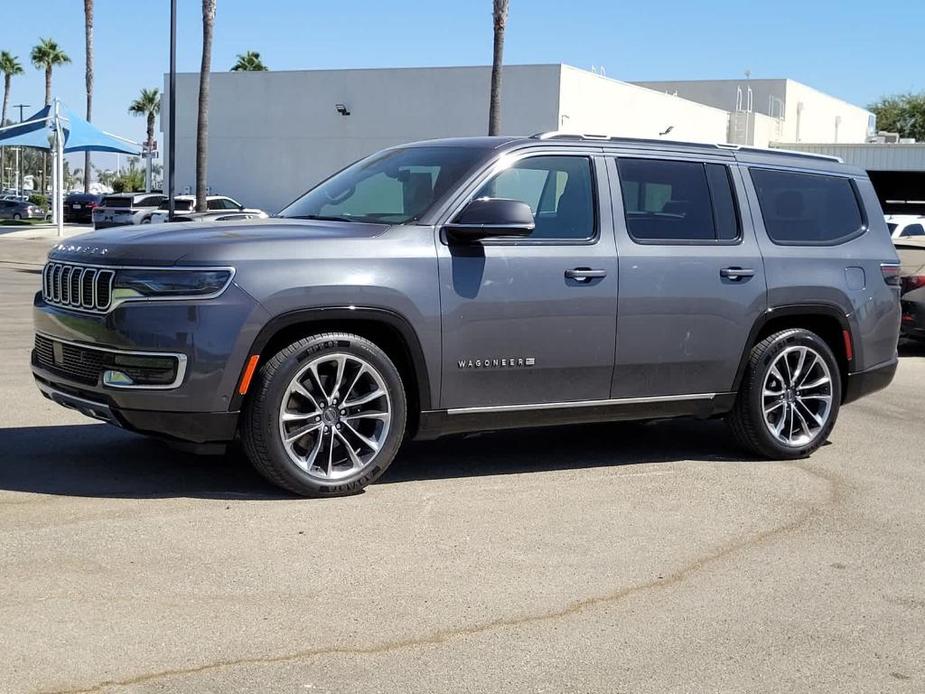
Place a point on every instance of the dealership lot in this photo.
(630, 557)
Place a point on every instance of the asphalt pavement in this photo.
(634, 557)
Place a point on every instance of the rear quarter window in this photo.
(807, 208)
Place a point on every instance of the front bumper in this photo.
(214, 336)
(863, 383)
(192, 427)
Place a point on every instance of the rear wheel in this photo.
(790, 396)
(326, 417)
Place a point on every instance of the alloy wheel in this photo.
(335, 416)
(797, 396)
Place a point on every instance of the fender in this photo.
(347, 314)
(809, 309)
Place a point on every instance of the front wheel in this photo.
(17, 216)
(326, 415)
(790, 396)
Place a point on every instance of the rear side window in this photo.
(804, 208)
(678, 201)
(913, 230)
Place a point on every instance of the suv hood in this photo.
(190, 243)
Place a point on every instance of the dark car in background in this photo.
(125, 208)
(78, 207)
(912, 277)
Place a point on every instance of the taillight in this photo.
(911, 282)
(891, 274)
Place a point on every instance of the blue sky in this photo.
(854, 50)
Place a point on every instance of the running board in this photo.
(436, 423)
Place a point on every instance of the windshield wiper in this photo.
(322, 218)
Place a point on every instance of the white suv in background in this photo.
(905, 226)
(220, 209)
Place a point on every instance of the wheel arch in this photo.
(826, 320)
(390, 331)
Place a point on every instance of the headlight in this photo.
(169, 284)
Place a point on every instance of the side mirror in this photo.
(241, 207)
(492, 217)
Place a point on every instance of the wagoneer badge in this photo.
(506, 363)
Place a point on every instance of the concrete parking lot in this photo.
(605, 558)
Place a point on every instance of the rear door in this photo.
(532, 320)
(692, 279)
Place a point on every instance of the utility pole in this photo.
(172, 113)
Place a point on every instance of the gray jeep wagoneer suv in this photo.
(486, 283)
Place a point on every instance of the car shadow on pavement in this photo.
(98, 460)
(911, 348)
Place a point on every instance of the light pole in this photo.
(19, 154)
(172, 113)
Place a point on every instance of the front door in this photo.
(692, 281)
(533, 320)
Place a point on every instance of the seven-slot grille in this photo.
(77, 287)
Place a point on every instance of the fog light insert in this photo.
(117, 378)
(128, 370)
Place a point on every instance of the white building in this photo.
(776, 110)
(272, 135)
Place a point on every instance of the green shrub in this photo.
(39, 200)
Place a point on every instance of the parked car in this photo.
(14, 209)
(15, 198)
(912, 256)
(78, 207)
(220, 209)
(903, 226)
(125, 208)
(487, 283)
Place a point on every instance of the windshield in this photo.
(393, 187)
(181, 205)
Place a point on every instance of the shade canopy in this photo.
(79, 135)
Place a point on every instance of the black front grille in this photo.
(78, 364)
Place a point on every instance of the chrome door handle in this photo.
(584, 274)
(736, 273)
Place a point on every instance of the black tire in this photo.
(17, 216)
(260, 427)
(747, 420)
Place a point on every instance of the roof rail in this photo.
(559, 135)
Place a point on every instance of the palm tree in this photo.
(9, 66)
(249, 62)
(499, 17)
(88, 36)
(202, 123)
(48, 54)
(148, 104)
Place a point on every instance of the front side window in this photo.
(397, 186)
(667, 201)
(804, 208)
(558, 190)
